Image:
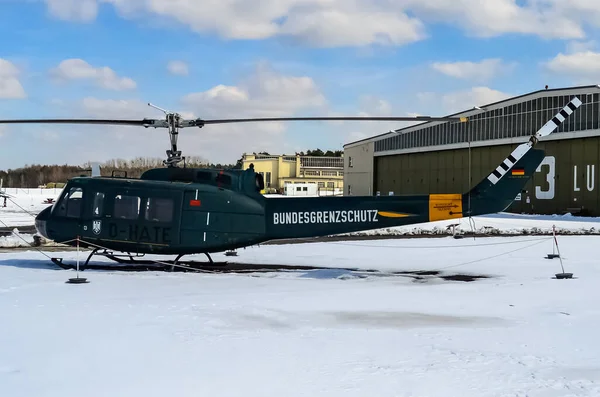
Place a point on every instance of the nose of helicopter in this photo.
(41, 221)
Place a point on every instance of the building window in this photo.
(268, 180)
(349, 190)
(350, 161)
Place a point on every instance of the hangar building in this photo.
(433, 157)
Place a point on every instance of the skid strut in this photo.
(127, 261)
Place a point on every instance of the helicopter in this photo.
(181, 211)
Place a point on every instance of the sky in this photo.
(270, 58)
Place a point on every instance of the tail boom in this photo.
(307, 217)
(320, 216)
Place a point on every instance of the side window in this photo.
(159, 209)
(223, 178)
(126, 207)
(70, 205)
(98, 206)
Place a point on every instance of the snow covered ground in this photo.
(24, 204)
(311, 333)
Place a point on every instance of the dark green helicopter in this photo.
(181, 211)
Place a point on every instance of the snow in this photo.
(24, 204)
(519, 332)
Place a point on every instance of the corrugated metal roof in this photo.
(519, 98)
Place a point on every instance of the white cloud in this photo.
(73, 10)
(580, 46)
(103, 76)
(375, 106)
(178, 68)
(372, 106)
(116, 108)
(265, 93)
(583, 67)
(477, 96)
(10, 86)
(492, 18)
(458, 101)
(351, 23)
(328, 23)
(103, 142)
(481, 71)
(323, 23)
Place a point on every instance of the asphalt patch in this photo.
(424, 275)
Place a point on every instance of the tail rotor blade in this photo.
(523, 148)
(560, 117)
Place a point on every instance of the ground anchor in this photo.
(563, 275)
(78, 280)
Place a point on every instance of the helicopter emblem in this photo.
(97, 226)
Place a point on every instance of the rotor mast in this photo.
(173, 121)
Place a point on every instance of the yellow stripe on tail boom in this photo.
(388, 214)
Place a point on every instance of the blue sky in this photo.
(108, 58)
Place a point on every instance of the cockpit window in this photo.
(70, 205)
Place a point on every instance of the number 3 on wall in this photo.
(549, 161)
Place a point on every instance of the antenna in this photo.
(156, 107)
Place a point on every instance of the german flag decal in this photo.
(518, 171)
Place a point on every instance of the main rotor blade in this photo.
(200, 122)
(417, 118)
(81, 121)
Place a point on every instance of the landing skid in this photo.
(126, 262)
(132, 264)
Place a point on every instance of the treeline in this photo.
(42, 175)
(315, 152)
(319, 152)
